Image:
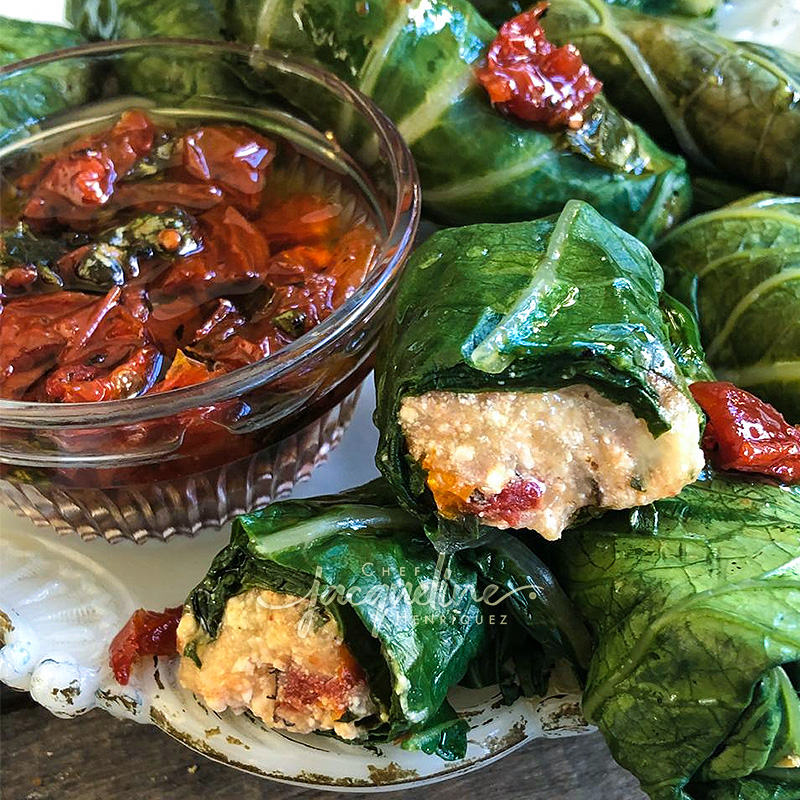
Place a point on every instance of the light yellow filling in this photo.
(584, 450)
(291, 670)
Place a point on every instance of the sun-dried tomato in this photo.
(509, 503)
(301, 219)
(184, 245)
(746, 434)
(234, 260)
(146, 633)
(84, 383)
(235, 157)
(82, 179)
(298, 689)
(530, 78)
(34, 332)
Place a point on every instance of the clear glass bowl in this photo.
(172, 463)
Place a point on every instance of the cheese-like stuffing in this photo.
(579, 448)
(288, 668)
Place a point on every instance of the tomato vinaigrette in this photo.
(149, 257)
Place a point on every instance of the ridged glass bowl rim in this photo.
(390, 257)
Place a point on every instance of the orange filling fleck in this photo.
(454, 498)
(450, 493)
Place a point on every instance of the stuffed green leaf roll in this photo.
(527, 373)
(695, 607)
(27, 98)
(336, 614)
(738, 269)
(417, 61)
(498, 11)
(177, 79)
(730, 107)
(317, 617)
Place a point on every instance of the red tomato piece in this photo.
(84, 383)
(301, 219)
(532, 79)
(20, 277)
(211, 338)
(299, 689)
(185, 371)
(79, 181)
(352, 261)
(244, 348)
(517, 496)
(34, 332)
(159, 195)
(73, 187)
(291, 267)
(171, 325)
(234, 259)
(235, 157)
(746, 434)
(313, 299)
(146, 633)
(111, 331)
(130, 139)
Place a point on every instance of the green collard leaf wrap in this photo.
(27, 98)
(416, 60)
(179, 78)
(529, 591)
(411, 619)
(522, 307)
(710, 192)
(695, 606)
(138, 19)
(498, 11)
(738, 269)
(777, 784)
(728, 106)
(685, 339)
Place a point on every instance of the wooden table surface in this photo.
(97, 757)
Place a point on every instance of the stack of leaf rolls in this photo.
(586, 396)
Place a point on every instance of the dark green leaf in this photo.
(738, 268)
(730, 107)
(114, 255)
(695, 602)
(498, 11)
(291, 322)
(532, 596)
(137, 19)
(710, 192)
(778, 785)
(20, 247)
(181, 77)
(27, 98)
(445, 735)
(685, 338)
(765, 734)
(22, 39)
